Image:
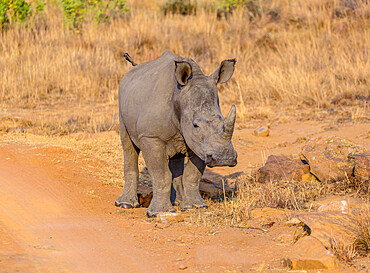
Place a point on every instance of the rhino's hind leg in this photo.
(176, 165)
(157, 162)
(190, 180)
(128, 198)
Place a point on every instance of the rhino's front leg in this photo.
(190, 180)
(154, 153)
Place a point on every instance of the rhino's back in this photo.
(145, 97)
(146, 74)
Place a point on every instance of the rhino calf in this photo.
(169, 109)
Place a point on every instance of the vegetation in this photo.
(77, 12)
(252, 8)
(19, 12)
(284, 61)
(179, 7)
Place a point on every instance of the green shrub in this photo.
(4, 19)
(77, 12)
(103, 11)
(226, 7)
(179, 7)
(74, 13)
(19, 12)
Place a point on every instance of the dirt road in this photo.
(57, 217)
(46, 226)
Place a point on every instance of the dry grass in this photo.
(290, 195)
(346, 251)
(303, 54)
(362, 233)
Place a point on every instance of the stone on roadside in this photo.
(211, 189)
(169, 217)
(293, 222)
(144, 200)
(335, 206)
(337, 203)
(326, 226)
(361, 169)
(183, 266)
(259, 267)
(286, 238)
(300, 229)
(261, 131)
(330, 158)
(281, 167)
(310, 254)
(186, 238)
(162, 225)
(268, 215)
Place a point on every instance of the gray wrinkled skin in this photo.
(169, 109)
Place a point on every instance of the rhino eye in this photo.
(195, 125)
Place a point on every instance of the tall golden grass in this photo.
(303, 54)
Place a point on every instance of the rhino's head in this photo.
(207, 133)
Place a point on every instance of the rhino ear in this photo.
(183, 72)
(225, 71)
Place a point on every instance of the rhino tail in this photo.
(129, 59)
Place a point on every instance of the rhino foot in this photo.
(127, 203)
(198, 204)
(156, 208)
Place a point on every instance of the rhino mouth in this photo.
(211, 162)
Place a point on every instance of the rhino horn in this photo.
(229, 123)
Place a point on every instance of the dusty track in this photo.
(56, 218)
(49, 227)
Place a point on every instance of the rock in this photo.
(301, 229)
(286, 238)
(183, 266)
(169, 217)
(362, 166)
(261, 131)
(280, 167)
(162, 226)
(230, 180)
(144, 200)
(268, 215)
(326, 226)
(293, 221)
(259, 267)
(335, 206)
(211, 189)
(186, 238)
(310, 254)
(330, 158)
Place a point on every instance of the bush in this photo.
(179, 7)
(19, 12)
(77, 12)
(226, 7)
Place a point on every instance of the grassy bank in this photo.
(292, 55)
